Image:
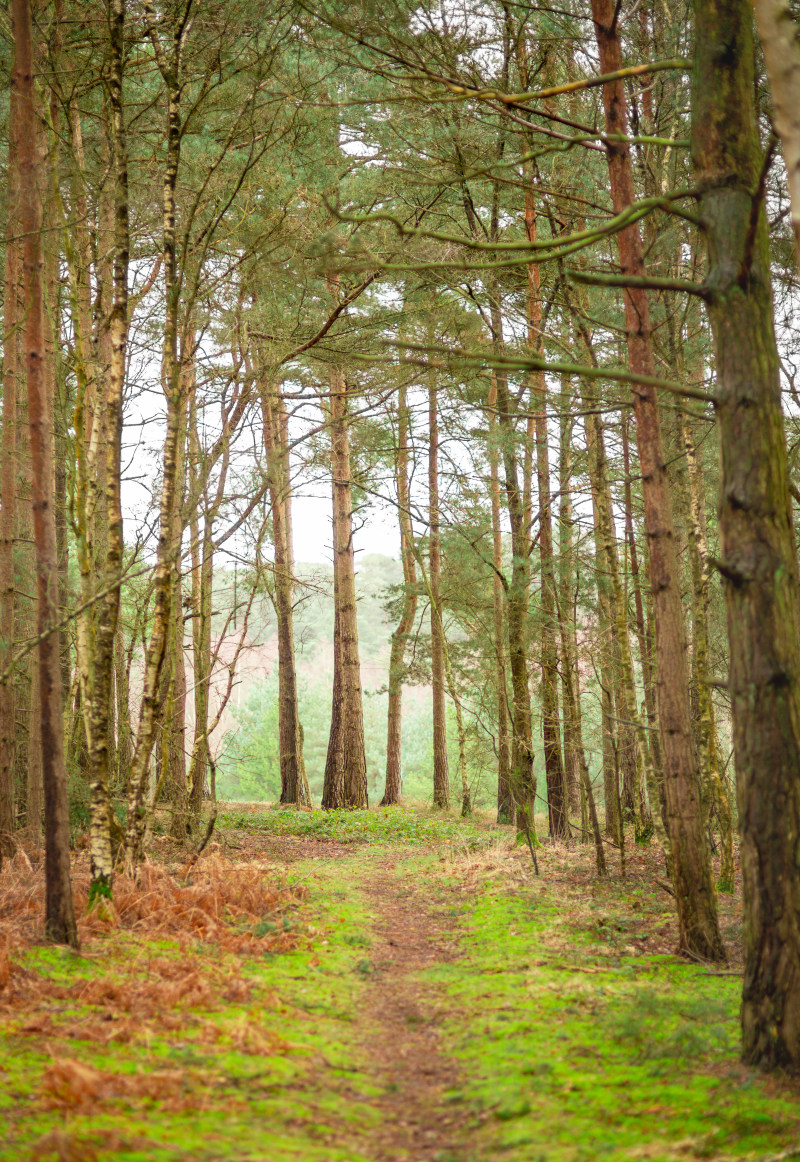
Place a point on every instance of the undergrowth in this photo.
(217, 1013)
(588, 1039)
(387, 825)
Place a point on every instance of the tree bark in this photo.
(645, 655)
(394, 768)
(708, 752)
(551, 724)
(523, 781)
(98, 425)
(167, 551)
(505, 794)
(345, 783)
(566, 603)
(294, 784)
(759, 563)
(59, 916)
(8, 483)
(441, 779)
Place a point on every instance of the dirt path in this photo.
(403, 1015)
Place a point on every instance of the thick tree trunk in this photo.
(59, 916)
(345, 783)
(441, 778)
(759, 563)
(691, 871)
(394, 768)
(505, 794)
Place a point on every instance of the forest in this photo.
(399, 588)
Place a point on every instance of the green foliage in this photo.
(99, 890)
(250, 767)
(78, 803)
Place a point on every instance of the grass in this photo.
(236, 1068)
(577, 1034)
(392, 825)
(575, 1049)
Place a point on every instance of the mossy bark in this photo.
(758, 557)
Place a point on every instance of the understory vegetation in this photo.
(235, 1008)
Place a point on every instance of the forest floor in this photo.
(374, 987)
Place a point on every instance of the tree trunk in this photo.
(98, 438)
(708, 752)
(523, 782)
(59, 916)
(8, 484)
(345, 783)
(574, 757)
(441, 780)
(394, 768)
(759, 563)
(694, 888)
(294, 784)
(167, 551)
(505, 793)
(645, 655)
(551, 725)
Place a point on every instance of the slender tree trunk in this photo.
(8, 483)
(98, 427)
(505, 793)
(522, 778)
(573, 742)
(394, 769)
(441, 779)
(167, 552)
(345, 783)
(202, 588)
(694, 888)
(551, 726)
(757, 539)
(645, 655)
(294, 784)
(123, 714)
(706, 726)
(174, 731)
(59, 916)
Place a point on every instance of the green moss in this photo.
(387, 825)
(571, 1046)
(583, 1058)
